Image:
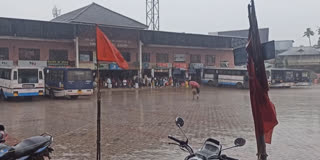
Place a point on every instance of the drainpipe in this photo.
(140, 59)
(77, 51)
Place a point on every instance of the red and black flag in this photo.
(263, 110)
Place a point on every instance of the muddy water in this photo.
(135, 124)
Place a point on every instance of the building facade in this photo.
(151, 53)
(301, 58)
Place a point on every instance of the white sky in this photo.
(287, 19)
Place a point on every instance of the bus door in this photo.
(289, 76)
(297, 76)
(5, 79)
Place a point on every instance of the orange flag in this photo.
(106, 51)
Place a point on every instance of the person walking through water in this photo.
(195, 92)
(195, 89)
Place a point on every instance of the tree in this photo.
(308, 33)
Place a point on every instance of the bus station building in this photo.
(69, 41)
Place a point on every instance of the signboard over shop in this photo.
(117, 43)
(114, 66)
(163, 65)
(103, 66)
(180, 65)
(32, 63)
(196, 65)
(146, 65)
(58, 63)
(5, 63)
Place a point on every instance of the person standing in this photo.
(3, 134)
(109, 83)
(124, 83)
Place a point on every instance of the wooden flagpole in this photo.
(261, 145)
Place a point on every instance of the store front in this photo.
(180, 72)
(161, 70)
(195, 72)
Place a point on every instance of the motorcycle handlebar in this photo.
(175, 139)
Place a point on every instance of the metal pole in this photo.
(77, 52)
(140, 59)
(98, 108)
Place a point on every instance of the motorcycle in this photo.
(211, 149)
(34, 148)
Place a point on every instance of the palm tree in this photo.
(308, 33)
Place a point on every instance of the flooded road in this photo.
(136, 123)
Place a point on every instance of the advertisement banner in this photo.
(32, 63)
(5, 63)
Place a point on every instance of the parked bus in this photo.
(286, 78)
(68, 82)
(237, 77)
(21, 82)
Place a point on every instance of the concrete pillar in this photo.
(77, 51)
(152, 72)
(140, 59)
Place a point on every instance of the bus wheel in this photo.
(239, 86)
(74, 97)
(51, 94)
(2, 95)
(28, 98)
(210, 83)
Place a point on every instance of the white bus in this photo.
(21, 82)
(286, 78)
(237, 77)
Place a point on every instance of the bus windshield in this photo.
(79, 76)
(27, 75)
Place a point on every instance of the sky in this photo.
(287, 19)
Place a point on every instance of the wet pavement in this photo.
(136, 123)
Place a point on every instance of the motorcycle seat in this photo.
(31, 145)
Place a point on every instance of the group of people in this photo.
(120, 83)
(156, 82)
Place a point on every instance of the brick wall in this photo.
(44, 47)
(220, 54)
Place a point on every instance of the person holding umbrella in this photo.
(195, 88)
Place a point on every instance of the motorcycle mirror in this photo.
(239, 142)
(179, 122)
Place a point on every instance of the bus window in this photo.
(5, 74)
(27, 75)
(305, 74)
(79, 76)
(40, 75)
(15, 75)
(289, 76)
